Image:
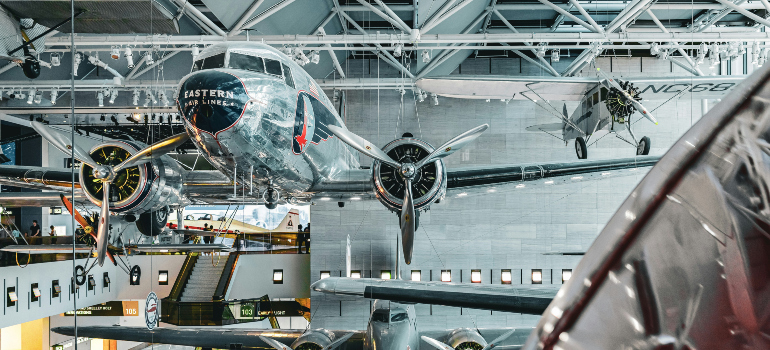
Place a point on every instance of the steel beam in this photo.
(394, 16)
(587, 16)
(628, 16)
(566, 13)
(684, 54)
(543, 64)
(745, 12)
(385, 16)
(717, 16)
(389, 58)
(85, 42)
(200, 16)
(437, 14)
(245, 16)
(157, 63)
(261, 17)
(446, 15)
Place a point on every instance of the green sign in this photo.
(247, 310)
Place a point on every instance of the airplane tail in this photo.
(289, 222)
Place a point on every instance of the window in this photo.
(55, 288)
(35, 292)
(106, 279)
(287, 76)
(385, 274)
(505, 277)
(380, 316)
(216, 61)
(91, 282)
(355, 274)
(197, 65)
(475, 276)
(11, 298)
(246, 62)
(446, 276)
(566, 274)
(537, 276)
(277, 276)
(398, 317)
(325, 274)
(603, 93)
(163, 278)
(273, 67)
(596, 97)
(416, 275)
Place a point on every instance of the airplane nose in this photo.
(212, 101)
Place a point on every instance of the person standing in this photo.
(300, 237)
(306, 238)
(52, 233)
(34, 230)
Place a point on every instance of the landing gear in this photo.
(580, 148)
(31, 67)
(271, 196)
(152, 223)
(643, 147)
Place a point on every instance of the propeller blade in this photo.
(453, 145)
(339, 341)
(61, 141)
(153, 151)
(499, 340)
(437, 344)
(407, 222)
(638, 106)
(104, 225)
(82, 221)
(275, 344)
(363, 146)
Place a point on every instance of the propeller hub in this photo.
(408, 170)
(102, 172)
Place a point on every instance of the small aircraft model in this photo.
(606, 104)
(29, 63)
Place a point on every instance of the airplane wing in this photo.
(482, 179)
(573, 88)
(204, 337)
(526, 299)
(40, 178)
(683, 263)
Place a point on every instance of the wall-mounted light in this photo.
(91, 282)
(537, 276)
(566, 274)
(106, 280)
(355, 274)
(11, 297)
(416, 275)
(475, 276)
(278, 276)
(505, 277)
(385, 274)
(325, 274)
(135, 276)
(446, 276)
(163, 277)
(35, 296)
(55, 288)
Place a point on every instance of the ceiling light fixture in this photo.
(195, 51)
(113, 95)
(30, 96)
(54, 95)
(397, 50)
(100, 98)
(129, 55)
(136, 97)
(76, 63)
(115, 54)
(425, 56)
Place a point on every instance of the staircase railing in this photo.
(183, 277)
(224, 279)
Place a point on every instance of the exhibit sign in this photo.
(110, 308)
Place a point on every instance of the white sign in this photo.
(152, 311)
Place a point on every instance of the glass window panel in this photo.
(246, 62)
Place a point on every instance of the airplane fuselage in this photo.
(251, 110)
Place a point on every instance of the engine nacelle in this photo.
(315, 339)
(466, 339)
(136, 190)
(428, 186)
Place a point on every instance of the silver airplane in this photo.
(275, 137)
(606, 104)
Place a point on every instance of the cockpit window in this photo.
(287, 76)
(398, 317)
(380, 316)
(246, 62)
(216, 61)
(273, 67)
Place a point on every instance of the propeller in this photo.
(499, 340)
(636, 104)
(437, 344)
(407, 171)
(85, 224)
(281, 346)
(339, 341)
(106, 173)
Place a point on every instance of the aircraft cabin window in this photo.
(216, 61)
(604, 93)
(287, 76)
(273, 67)
(399, 317)
(596, 97)
(380, 316)
(246, 62)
